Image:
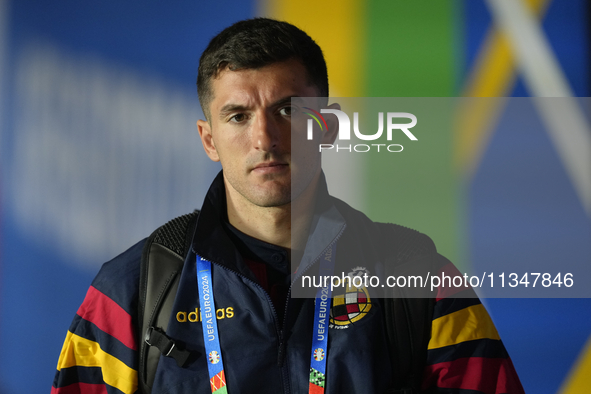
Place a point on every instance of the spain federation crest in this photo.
(350, 303)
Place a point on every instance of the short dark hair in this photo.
(255, 43)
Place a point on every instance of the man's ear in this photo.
(204, 129)
(332, 123)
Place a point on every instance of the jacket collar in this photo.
(326, 228)
(210, 240)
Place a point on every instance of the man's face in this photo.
(250, 133)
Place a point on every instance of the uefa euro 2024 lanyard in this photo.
(215, 364)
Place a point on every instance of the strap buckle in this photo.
(148, 335)
(157, 338)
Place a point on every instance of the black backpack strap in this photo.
(162, 262)
(408, 314)
(408, 325)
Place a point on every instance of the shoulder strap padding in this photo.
(162, 262)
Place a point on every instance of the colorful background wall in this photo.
(98, 146)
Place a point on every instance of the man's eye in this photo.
(238, 118)
(286, 111)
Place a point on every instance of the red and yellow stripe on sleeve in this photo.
(99, 351)
(465, 351)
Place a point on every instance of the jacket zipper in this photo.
(281, 348)
(316, 260)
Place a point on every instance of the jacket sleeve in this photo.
(465, 353)
(100, 351)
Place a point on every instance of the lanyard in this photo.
(318, 357)
(215, 365)
(321, 317)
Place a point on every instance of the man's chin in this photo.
(272, 198)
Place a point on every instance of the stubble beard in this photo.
(269, 196)
(271, 190)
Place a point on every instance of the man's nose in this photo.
(265, 134)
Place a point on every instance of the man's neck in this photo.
(272, 225)
(275, 225)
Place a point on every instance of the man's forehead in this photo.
(275, 82)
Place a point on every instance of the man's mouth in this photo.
(270, 167)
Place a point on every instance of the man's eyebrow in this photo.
(231, 108)
(228, 108)
(282, 101)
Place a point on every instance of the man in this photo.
(234, 325)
